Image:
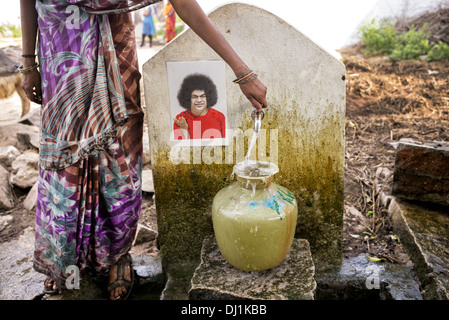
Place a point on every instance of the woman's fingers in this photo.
(256, 92)
(31, 84)
(38, 92)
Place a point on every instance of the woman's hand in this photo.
(31, 84)
(31, 81)
(256, 92)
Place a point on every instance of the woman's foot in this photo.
(121, 278)
(50, 286)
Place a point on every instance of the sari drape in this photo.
(89, 188)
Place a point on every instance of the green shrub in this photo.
(378, 39)
(383, 39)
(10, 30)
(411, 44)
(439, 51)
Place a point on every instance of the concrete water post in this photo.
(302, 132)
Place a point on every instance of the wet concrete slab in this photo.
(424, 231)
(216, 279)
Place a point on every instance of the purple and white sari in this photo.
(89, 189)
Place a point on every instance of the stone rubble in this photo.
(6, 201)
(422, 172)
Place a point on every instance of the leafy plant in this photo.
(378, 38)
(382, 38)
(411, 44)
(10, 30)
(439, 51)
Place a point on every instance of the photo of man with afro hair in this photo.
(198, 95)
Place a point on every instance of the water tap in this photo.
(257, 117)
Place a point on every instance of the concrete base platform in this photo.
(216, 279)
(424, 231)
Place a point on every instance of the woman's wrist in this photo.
(241, 70)
(24, 69)
(28, 61)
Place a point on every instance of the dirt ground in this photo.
(386, 101)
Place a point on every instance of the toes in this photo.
(118, 293)
(50, 284)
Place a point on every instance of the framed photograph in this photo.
(198, 106)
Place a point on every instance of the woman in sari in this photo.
(87, 81)
(170, 21)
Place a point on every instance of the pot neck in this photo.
(258, 182)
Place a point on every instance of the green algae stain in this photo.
(184, 194)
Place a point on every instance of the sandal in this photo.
(47, 290)
(120, 281)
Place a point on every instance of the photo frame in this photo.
(198, 130)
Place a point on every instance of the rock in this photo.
(6, 199)
(398, 283)
(7, 155)
(146, 149)
(216, 279)
(148, 267)
(150, 278)
(385, 199)
(424, 233)
(5, 220)
(144, 234)
(382, 174)
(28, 139)
(355, 213)
(422, 172)
(32, 118)
(357, 220)
(18, 280)
(8, 134)
(31, 199)
(25, 169)
(357, 278)
(147, 181)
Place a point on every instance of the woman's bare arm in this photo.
(192, 14)
(29, 29)
(31, 82)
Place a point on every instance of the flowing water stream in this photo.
(253, 168)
